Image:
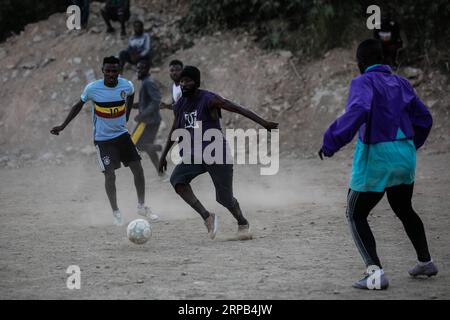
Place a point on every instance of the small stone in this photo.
(140, 281)
(76, 60)
(37, 38)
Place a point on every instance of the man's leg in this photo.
(399, 198)
(139, 180)
(359, 205)
(123, 16)
(110, 187)
(146, 142)
(105, 14)
(186, 193)
(222, 177)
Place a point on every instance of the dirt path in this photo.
(53, 217)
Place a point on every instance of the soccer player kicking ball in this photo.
(393, 123)
(194, 106)
(112, 100)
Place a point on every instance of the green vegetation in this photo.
(313, 26)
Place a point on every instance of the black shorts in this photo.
(221, 175)
(111, 152)
(144, 134)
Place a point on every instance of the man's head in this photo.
(111, 70)
(175, 68)
(143, 68)
(369, 52)
(138, 26)
(189, 80)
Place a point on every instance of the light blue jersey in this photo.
(108, 107)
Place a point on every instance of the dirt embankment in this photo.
(44, 70)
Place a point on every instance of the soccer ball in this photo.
(139, 231)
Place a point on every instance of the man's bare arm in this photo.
(72, 114)
(221, 103)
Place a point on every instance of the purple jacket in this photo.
(379, 103)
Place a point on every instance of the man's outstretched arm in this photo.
(72, 114)
(221, 103)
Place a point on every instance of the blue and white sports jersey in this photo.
(108, 107)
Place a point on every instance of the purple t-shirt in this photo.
(190, 111)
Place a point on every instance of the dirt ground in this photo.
(56, 216)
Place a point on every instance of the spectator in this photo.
(389, 34)
(138, 46)
(116, 10)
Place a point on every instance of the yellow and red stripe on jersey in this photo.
(113, 109)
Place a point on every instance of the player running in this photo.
(194, 106)
(393, 123)
(112, 99)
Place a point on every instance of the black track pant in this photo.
(359, 205)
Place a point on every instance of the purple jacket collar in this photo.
(380, 68)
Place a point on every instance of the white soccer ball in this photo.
(139, 231)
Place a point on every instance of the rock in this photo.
(88, 150)
(53, 96)
(46, 156)
(10, 66)
(26, 157)
(26, 73)
(3, 53)
(286, 54)
(75, 80)
(28, 65)
(69, 149)
(14, 74)
(37, 38)
(46, 62)
(89, 75)
(61, 77)
(94, 30)
(4, 160)
(410, 72)
(12, 164)
(77, 60)
(73, 74)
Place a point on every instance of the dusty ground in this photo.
(56, 216)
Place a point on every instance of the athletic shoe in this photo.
(243, 232)
(429, 269)
(366, 282)
(211, 224)
(118, 220)
(146, 212)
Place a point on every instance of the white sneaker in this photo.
(147, 212)
(118, 220)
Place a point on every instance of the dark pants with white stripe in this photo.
(359, 205)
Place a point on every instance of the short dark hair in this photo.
(176, 63)
(370, 51)
(111, 60)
